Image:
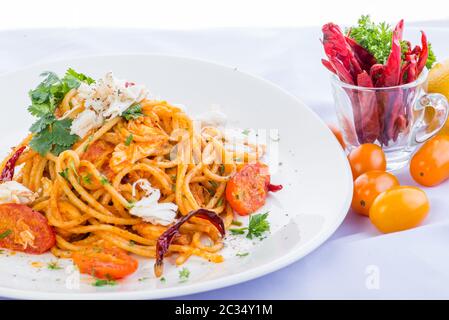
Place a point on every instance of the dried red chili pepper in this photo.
(340, 52)
(8, 170)
(367, 100)
(363, 56)
(328, 66)
(423, 54)
(392, 70)
(163, 242)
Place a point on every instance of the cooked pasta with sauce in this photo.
(107, 173)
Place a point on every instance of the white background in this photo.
(188, 14)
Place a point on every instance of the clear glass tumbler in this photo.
(392, 117)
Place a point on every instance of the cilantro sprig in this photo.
(258, 225)
(51, 134)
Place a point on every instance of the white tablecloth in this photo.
(357, 262)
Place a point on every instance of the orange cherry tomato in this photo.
(399, 208)
(23, 229)
(338, 134)
(367, 157)
(247, 190)
(368, 186)
(430, 164)
(105, 263)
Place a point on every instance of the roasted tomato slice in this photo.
(247, 190)
(23, 229)
(105, 263)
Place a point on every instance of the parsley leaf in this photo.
(376, 38)
(42, 123)
(74, 79)
(184, 274)
(52, 135)
(133, 112)
(49, 93)
(258, 224)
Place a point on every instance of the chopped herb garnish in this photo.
(220, 202)
(86, 146)
(129, 139)
(238, 231)
(184, 274)
(246, 132)
(242, 254)
(131, 204)
(133, 112)
(163, 280)
(132, 243)
(104, 180)
(214, 184)
(143, 279)
(64, 173)
(236, 223)
(5, 233)
(104, 282)
(222, 169)
(87, 179)
(53, 265)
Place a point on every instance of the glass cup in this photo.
(396, 118)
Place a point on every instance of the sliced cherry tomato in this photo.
(430, 164)
(368, 186)
(247, 190)
(367, 157)
(105, 263)
(23, 229)
(399, 208)
(338, 134)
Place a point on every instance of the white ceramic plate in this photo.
(314, 172)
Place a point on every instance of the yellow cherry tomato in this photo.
(399, 208)
(367, 157)
(368, 186)
(430, 164)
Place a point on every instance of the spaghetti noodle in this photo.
(87, 192)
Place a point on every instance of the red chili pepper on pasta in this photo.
(164, 241)
(8, 170)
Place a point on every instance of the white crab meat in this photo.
(149, 208)
(14, 192)
(107, 98)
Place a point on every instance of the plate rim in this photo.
(214, 284)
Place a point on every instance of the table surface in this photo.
(356, 262)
